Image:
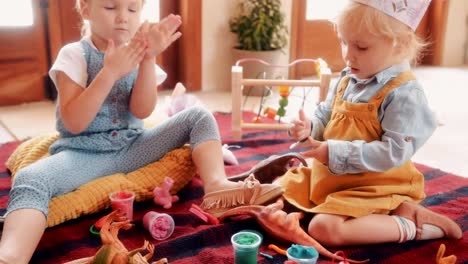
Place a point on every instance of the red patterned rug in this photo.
(194, 242)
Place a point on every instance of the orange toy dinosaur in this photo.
(274, 220)
(441, 259)
(283, 226)
(112, 250)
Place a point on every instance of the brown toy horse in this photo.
(112, 250)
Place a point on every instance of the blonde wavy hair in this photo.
(363, 18)
(85, 25)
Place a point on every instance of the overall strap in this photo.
(86, 50)
(402, 78)
(341, 89)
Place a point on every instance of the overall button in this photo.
(114, 134)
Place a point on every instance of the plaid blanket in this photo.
(194, 241)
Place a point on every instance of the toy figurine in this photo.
(113, 251)
(440, 259)
(283, 226)
(180, 100)
(228, 156)
(162, 195)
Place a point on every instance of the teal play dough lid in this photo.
(246, 239)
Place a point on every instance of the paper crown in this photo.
(410, 12)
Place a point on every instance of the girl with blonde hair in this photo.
(362, 185)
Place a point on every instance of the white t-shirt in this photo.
(71, 61)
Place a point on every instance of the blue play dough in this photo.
(302, 252)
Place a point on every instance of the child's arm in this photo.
(407, 123)
(310, 131)
(315, 125)
(78, 106)
(158, 36)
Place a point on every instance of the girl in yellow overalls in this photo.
(362, 185)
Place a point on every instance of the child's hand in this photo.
(301, 127)
(318, 150)
(120, 61)
(160, 35)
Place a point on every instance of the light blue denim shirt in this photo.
(404, 115)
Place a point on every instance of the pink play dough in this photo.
(123, 200)
(159, 225)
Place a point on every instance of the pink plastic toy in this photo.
(159, 225)
(204, 216)
(179, 100)
(162, 195)
(228, 156)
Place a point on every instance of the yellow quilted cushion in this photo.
(93, 196)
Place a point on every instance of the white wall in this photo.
(217, 42)
(456, 34)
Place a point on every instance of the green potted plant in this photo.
(260, 25)
(261, 33)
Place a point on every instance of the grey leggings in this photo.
(66, 170)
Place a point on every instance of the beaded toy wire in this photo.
(323, 74)
(284, 91)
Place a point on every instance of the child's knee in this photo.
(29, 180)
(326, 232)
(197, 111)
(22, 177)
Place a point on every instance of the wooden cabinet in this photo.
(64, 25)
(27, 53)
(24, 61)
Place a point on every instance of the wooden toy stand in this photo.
(238, 82)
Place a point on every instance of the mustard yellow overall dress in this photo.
(317, 190)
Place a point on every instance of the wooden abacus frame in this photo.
(238, 82)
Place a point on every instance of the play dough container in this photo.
(159, 225)
(123, 200)
(245, 246)
(302, 254)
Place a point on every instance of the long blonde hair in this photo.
(367, 19)
(84, 24)
(85, 31)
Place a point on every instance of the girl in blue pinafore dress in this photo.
(106, 84)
